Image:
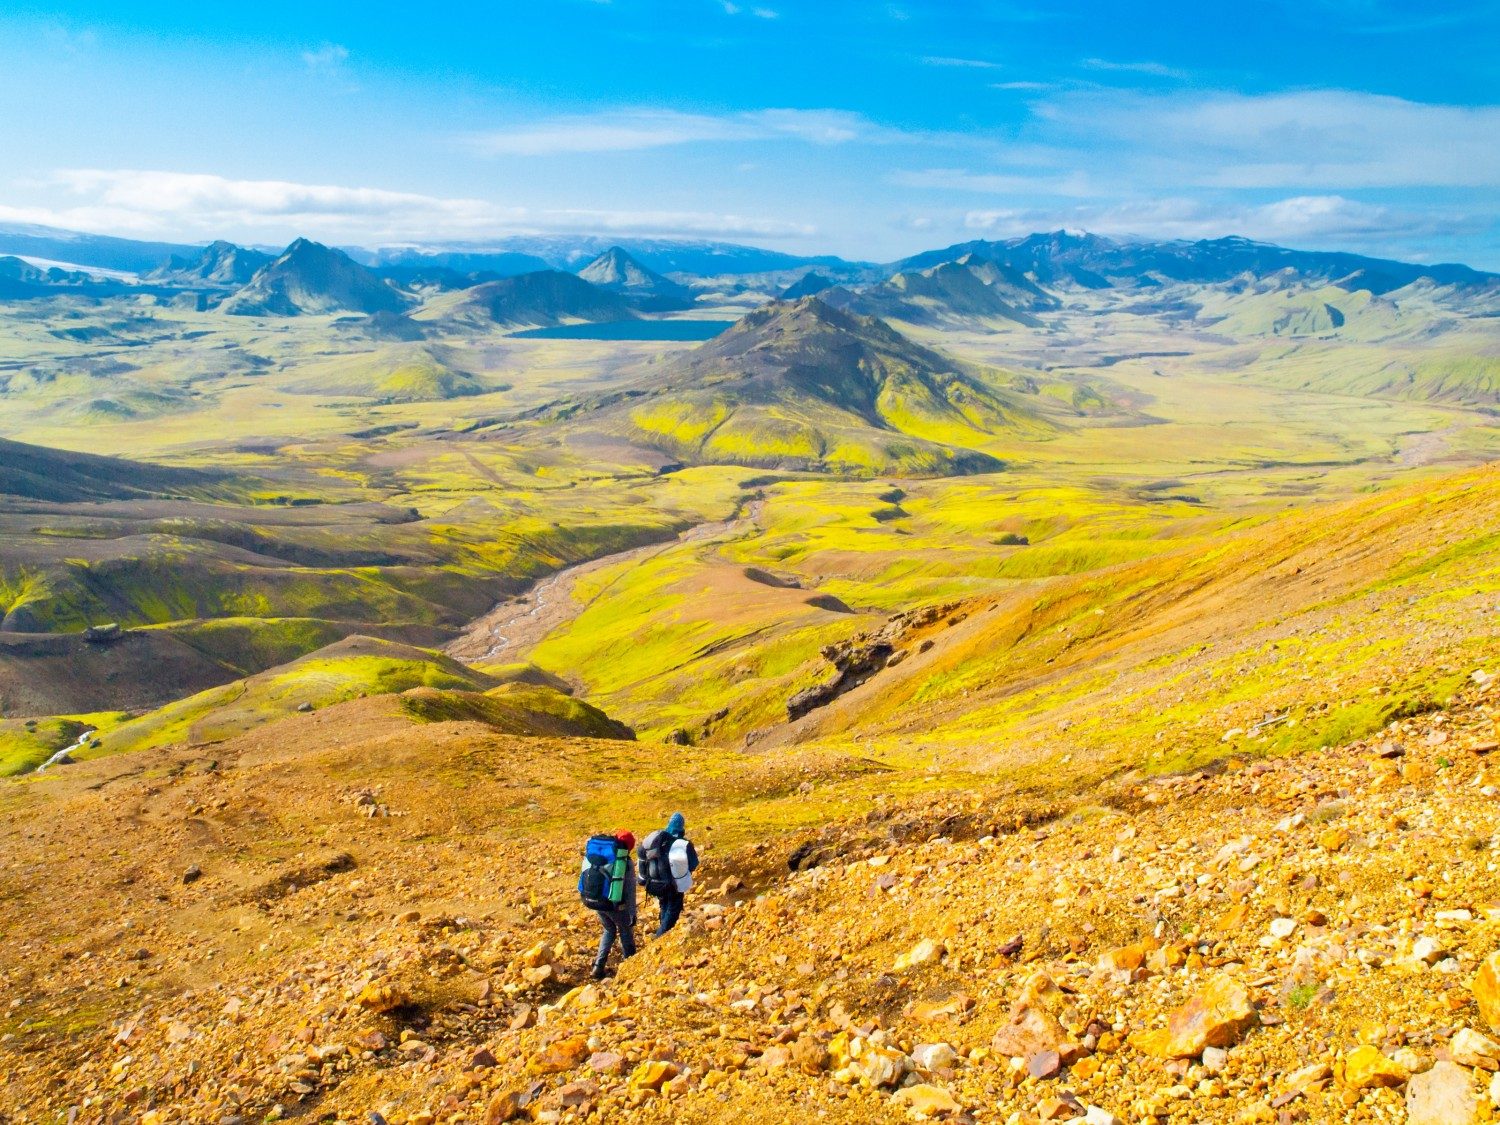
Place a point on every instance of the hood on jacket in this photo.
(676, 826)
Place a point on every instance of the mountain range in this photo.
(219, 264)
(968, 288)
(1091, 261)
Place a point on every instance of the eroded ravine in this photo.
(514, 627)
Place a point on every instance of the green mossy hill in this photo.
(1461, 368)
(801, 385)
(1310, 629)
(516, 708)
(27, 743)
(36, 472)
(352, 668)
(1419, 314)
(399, 373)
(247, 645)
(530, 300)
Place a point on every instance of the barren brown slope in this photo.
(427, 962)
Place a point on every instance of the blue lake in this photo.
(630, 330)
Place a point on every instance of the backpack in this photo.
(681, 870)
(601, 883)
(656, 870)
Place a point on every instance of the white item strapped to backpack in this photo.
(677, 859)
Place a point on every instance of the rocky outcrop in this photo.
(856, 660)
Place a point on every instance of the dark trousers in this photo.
(620, 926)
(671, 910)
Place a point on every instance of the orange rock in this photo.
(1486, 990)
(556, 1057)
(507, 1105)
(1216, 1017)
(1234, 918)
(809, 1056)
(1126, 958)
(926, 1101)
(1033, 1025)
(931, 1011)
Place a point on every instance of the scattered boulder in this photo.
(1216, 1017)
(1443, 1095)
(1487, 990)
(927, 1101)
(1366, 1067)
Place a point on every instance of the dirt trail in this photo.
(513, 628)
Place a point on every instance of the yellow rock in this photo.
(538, 954)
(382, 997)
(1333, 839)
(924, 951)
(652, 1073)
(1366, 1067)
(926, 1101)
(1487, 990)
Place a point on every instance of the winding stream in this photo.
(63, 756)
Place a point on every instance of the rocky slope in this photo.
(309, 925)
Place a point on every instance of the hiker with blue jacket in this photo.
(606, 884)
(667, 862)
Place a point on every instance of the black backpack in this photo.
(655, 864)
(601, 883)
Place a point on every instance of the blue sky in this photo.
(866, 129)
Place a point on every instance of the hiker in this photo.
(667, 862)
(606, 884)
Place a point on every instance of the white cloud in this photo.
(948, 60)
(1014, 182)
(626, 130)
(330, 56)
(1313, 139)
(1154, 69)
(188, 205)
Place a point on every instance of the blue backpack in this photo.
(601, 883)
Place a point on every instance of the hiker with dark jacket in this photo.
(667, 862)
(606, 884)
